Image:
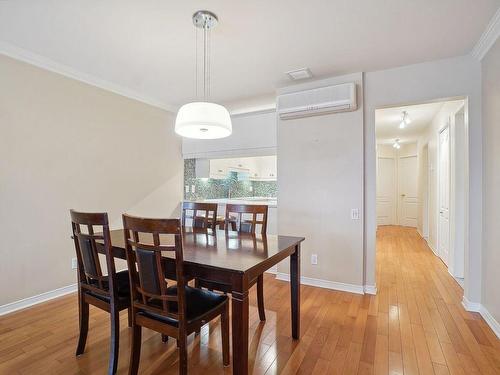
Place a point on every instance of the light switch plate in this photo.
(355, 214)
(74, 264)
(193, 188)
(314, 259)
(187, 188)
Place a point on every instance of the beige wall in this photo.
(65, 144)
(491, 180)
(320, 167)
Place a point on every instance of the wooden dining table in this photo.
(234, 260)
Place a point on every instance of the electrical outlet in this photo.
(193, 189)
(187, 188)
(314, 259)
(355, 214)
(74, 264)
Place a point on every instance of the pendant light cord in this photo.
(205, 48)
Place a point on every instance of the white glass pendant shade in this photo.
(203, 120)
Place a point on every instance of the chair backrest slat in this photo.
(86, 246)
(245, 225)
(204, 215)
(144, 247)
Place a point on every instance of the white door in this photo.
(386, 183)
(444, 194)
(408, 197)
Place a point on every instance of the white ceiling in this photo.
(147, 47)
(387, 122)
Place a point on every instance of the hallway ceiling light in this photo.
(405, 120)
(396, 144)
(203, 119)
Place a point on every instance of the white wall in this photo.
(65, 144)
(253, 134)
(320, 168)
(491, 182)
(416, 84)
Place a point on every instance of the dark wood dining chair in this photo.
(177, 310)
(202, 215)
(245, 218)
(108, 292)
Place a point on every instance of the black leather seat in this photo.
(198, 303)
(123, 283)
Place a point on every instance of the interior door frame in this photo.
(425, 212)
(450, 209)
(471, 276)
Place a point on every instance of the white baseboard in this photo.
(494, 325)
(470, 306)
(351, 288)
(371, 289)
(459, 280)
(477, 307)
(273, 270)
(30, 301)
(432, 248)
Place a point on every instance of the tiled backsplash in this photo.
(215, 188)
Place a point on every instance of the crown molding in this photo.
(488, 38)
(55, 67)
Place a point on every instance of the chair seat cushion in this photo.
(123, 284)
(198, 303)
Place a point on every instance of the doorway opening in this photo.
(422, 173)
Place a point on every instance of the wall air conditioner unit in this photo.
(320, 101)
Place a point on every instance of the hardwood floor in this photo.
(416, 324)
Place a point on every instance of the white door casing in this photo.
(386, 191)
(444, 194)
(407, 188)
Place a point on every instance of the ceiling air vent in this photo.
(298, 74)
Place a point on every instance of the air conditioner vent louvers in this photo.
(320, 101)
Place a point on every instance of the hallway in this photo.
(421, 321)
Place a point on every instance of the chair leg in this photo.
(83, 308)
(129, 312)
(182, 344)
(164, 338)
(197, 285)
(135, 350)
(260, 297)
(114, 345)
(224, 326)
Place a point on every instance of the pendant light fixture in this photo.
(203, 119)
(396, 144)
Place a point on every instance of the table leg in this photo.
(239, 320)
(295, 291)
